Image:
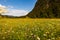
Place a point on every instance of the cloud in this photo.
(1, 6)
(2, 9)
(16, 12)
(13, 12)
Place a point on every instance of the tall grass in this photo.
(29, 29)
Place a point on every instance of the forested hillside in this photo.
(46, 9)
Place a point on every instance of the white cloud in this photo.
(1, 6)
(2, 9)
(14, 12)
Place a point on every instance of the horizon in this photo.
(17, 7)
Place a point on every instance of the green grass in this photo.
(29, 29)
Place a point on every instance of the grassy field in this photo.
(29, 29)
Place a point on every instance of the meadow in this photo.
(29, 29)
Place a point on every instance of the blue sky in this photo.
(18, 4)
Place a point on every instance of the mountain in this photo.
(7, 16)
(46, 9)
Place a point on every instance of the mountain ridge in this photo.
(46, 9)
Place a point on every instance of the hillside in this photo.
(46, 9)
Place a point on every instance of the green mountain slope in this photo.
(46, 9)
